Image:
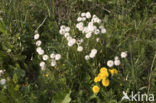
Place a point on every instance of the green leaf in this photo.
(62, 97)
(67, 98)
(15, 78)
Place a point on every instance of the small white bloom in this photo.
(62, 27)
(2, 81)
(97, 39)
(57, 57)
(69, 38)
(62, 31)
(124, 54)
(1, 72)
(80, 26)
(40, 51)
(117, 62)
(71, 42)
(45, 57)
(80, 49)
(88, 15)
(53, 63)
(94, 51)
(38, 43)
(52, 55)
(66, 35)
(87, 57)
(92, 55)
(103, 31)
(88, 35)
(67, 29)
(110, 63)
(79, 19)
(97, 31)
(83, 14)
(116, 58)
(36, 36)
(42, 64)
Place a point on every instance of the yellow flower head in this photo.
(105, 82)
(46, 75)
(97, 79)
(103, 69)
(96, 89)
(103, 72)
(113, 71)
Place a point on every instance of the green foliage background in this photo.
(130, 25)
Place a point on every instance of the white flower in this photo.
(110, 63)
(45, 57)
(80, 26)
(97, 31)
(1, 72)
(69, 38)
(88, 15)
(42, 65)
(116, 57)
(80, 48)
(67, 29)
(88, 35)
(83, 14)
(87, 57)
(124, 54)
(62, 31)
(36, 36)
(66, 35)
(2, 81)
(97, 39)
(117, 62)
(57, 57)
(52, 55)
(38, 43)
(71, 42)
(62, 27)
(79, 19)
(53, 63)
(40, 51)
(103, 31)
(93, 53)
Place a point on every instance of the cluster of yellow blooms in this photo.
(103, 76)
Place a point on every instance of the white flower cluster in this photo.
(45, 57)
(116, 62)
(93, 27)
(91, 55)
(64, 30)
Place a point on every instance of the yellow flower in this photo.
(97, 79)
(46, 75)
(103, 72)
(113, 71)
(103, 69)
(105, 82)
(96, 89)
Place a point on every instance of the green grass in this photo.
(130, 25)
